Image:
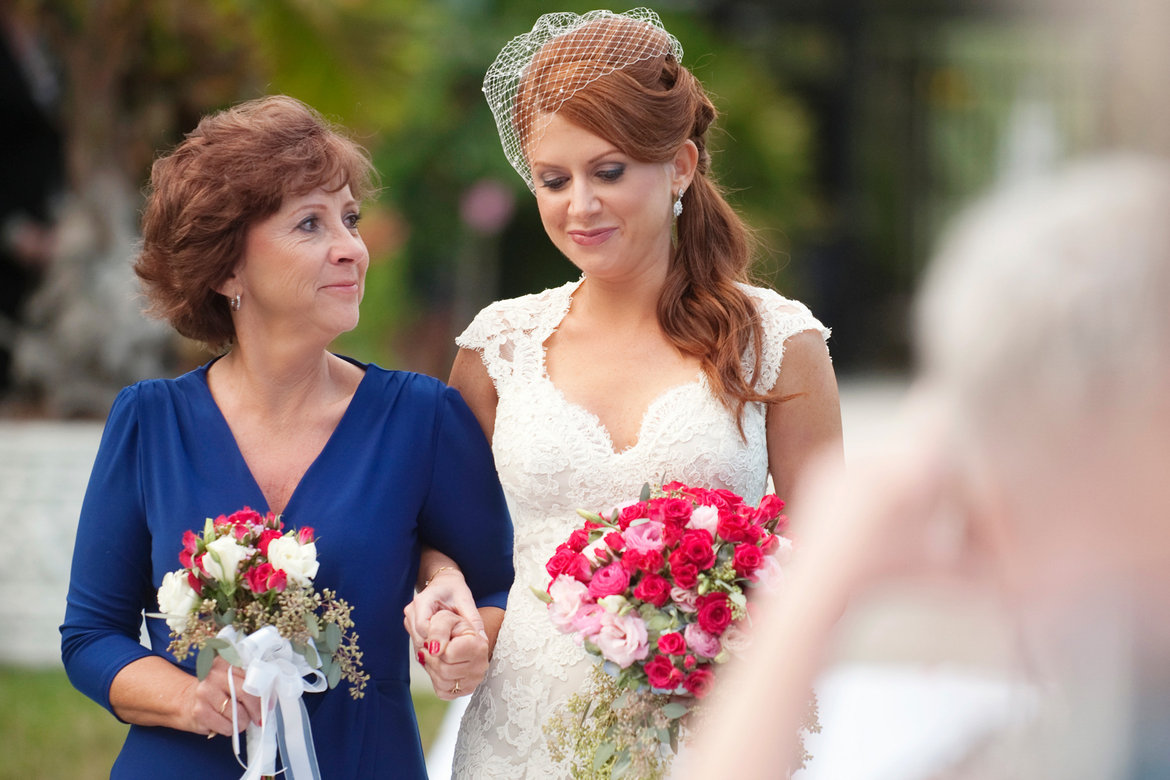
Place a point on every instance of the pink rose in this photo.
(305, 534)
(746, 560)
(587, 621)
(705, 518)
(684, 598)
(578, 539)
(662, 674)
(701, 642)
(699, 682)
(714, 613)
(559, 562)
(609, 580)
(644, 537)
(263, 578)
(568, 595)
(696, 547)
(615, 541)
(653, 589)
(770, 574)
(735, 639)
(651, 562)
(622, 638)
(672, 643)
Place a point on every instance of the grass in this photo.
(48, 730)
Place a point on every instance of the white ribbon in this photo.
(276, 673)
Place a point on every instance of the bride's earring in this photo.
(678, 204)
(235, 304)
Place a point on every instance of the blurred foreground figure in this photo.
(1036, 440)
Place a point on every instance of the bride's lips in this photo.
(591, 237)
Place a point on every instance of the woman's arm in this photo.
(153, 692)
(470, 377)
(807, 426)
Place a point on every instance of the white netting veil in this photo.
(535, 73)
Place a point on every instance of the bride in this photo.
(660, 363)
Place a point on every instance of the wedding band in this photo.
(210, 734)
(456, 688)
(223, 706)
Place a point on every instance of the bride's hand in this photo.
(455, 654)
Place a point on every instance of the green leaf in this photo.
(604, 753)
(540, 594)
(332, 636)
(312, 625)
(645, 494)
(203, 662)
(334, 676)
(674, 710)
(622, 765)
(215, 643)
(230, 655)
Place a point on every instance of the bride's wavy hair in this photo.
(648, 109)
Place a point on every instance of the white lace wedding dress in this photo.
(554, 457)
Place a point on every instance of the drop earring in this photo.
(235, 304)
(678, 204)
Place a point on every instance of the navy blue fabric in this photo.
(407, 465)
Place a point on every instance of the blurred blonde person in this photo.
(1038, 436)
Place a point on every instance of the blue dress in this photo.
(407, 465)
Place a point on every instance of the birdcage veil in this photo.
(537, 72)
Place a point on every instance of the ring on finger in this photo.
(223, 706)
(210, 734)
(456, 689)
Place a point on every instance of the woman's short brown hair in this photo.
(233, 170)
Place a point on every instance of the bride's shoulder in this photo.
(505, 318)
(781, 313)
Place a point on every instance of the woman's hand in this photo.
(446, 590)
(211, 705)
(454, 653)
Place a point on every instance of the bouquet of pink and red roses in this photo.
(245, 592)
(657, 591)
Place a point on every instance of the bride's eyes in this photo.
(608, 174)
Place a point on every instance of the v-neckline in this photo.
(226, 433)
(592, 416)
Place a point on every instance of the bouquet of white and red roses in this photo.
(245, 592)
(657, 592)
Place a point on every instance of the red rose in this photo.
(579, 568)
(696, 547)
(699, 682)
(630, 513)
(770, 507)
(685, 575)
(653, 589)
(714, 613)
(662, 674)
(245, 516)
(608, 581)
(734, 528)
(559, 563)
(769, 544)
(263, 578)
(193, 581)
(672, 643)
(689, 661)
(578, 540)
(669, 511)
(747, 559)
(615, 541)
(305, 535)
(651, 562)
(672, 533)
(266, 537)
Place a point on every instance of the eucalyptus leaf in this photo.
(332, 636)
(645, 494)
(334, 676)
(540, 594)
(215, 643)
(311, 625)
(622, 765)
(203, 662)
(674, 710)
(659, 623)
(232, 656)
(604, 753)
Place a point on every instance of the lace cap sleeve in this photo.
(509, 334)
(781, 317)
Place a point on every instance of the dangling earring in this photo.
(678, 204)
(235, 304)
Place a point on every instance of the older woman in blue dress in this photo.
(251, 246)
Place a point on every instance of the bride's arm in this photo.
(470, 377)
(807, 426)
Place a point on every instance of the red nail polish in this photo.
(433, 647)
(421, 660)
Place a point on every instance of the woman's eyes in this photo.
(608, 174)
(313, 224)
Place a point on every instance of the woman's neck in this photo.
(619, 304)
(274, 384)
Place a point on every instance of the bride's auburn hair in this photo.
(648, 109)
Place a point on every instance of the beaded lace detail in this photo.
(554, 457)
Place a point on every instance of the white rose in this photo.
(223, 559)
(298, 561)
(176, 599)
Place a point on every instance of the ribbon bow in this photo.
(276, 673)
